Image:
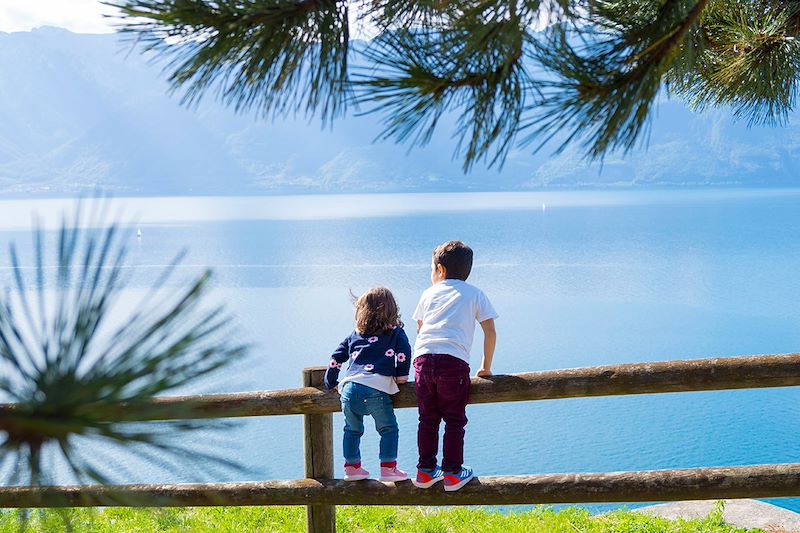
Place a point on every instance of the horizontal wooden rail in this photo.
(639, 378)
(766, 481)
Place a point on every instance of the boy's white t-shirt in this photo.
(448, 311)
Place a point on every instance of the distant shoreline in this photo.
(16, 214)
(266, 192)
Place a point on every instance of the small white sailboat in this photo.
(139, 233)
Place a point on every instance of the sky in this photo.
(86, 16)
(79, 16)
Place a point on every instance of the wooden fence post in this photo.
(318, 451)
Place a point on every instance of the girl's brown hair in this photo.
(376, 312)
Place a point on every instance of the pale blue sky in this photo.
(80, 16)
(86, 16)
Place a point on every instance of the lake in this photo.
(578, 278)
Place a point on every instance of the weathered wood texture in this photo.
(639, 378)
(767, 481)
(318, 449)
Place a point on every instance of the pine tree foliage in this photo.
(418, 76)
(279, 58)
(754, 63)
(607, 74)
(77, 384)
(514, 73)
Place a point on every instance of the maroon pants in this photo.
(442, 383)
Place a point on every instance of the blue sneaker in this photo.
(426, 478)
(456, 481)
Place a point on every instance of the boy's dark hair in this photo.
(376, 312)
(455, 257)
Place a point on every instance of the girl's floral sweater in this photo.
(388, 355)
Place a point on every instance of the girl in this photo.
(380, 357)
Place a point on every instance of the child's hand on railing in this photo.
(483, 373)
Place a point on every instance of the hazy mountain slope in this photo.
(78, 112)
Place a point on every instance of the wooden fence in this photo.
(320, 492)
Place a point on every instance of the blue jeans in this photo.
(359, 400)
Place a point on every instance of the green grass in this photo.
(352, 519)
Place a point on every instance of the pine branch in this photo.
(605, 84)
(393, 15)
(752, 61)
(439, 15)
(273, 56)
(67, 371)
(590, 77)
(474, 69)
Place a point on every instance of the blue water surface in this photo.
(579, 279)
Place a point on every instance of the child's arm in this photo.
(338, 357)
(402, 357)
(489, 342)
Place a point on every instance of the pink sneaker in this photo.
(355, 473)
(392, 474)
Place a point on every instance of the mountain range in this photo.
(82, 112)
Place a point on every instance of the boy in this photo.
(446, 316)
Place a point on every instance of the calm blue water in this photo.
(594, 278)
